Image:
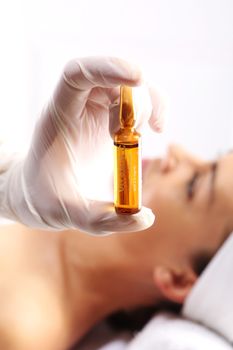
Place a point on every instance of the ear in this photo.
(174, 286)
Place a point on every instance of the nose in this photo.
(176, 155)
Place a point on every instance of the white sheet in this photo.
(170, 332)
(210, 300)
(103, 337)
(165, 331)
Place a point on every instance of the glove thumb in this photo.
(104, 219)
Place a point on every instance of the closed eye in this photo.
(191, 185)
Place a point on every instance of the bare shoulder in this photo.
(32, 315)
(36, 335)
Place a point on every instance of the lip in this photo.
(151, 165)
(145, 163)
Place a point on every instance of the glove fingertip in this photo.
(159, 109)
(106, 221)
(136, 222)
(146, 217)
(114, 122)
(132, 71)
(157, 123)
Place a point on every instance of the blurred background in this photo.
(185, 48)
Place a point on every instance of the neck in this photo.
(106, 274)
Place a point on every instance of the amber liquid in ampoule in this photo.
(127, 169)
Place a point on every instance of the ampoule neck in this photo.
(128, 128)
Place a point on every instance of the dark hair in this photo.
(200, 261)
(136, 319)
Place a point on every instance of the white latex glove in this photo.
(44, 189)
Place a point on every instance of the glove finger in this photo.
(106, 72)
(101, 219)
(149, 106)
(107, 221)
(142, 109)
(157, 117)
(104, 96)
(114, 121)
(142, 106)
(81, 75)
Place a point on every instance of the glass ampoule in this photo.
(127, 158)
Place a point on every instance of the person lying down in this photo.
(56, 286)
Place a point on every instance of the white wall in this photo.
(184, 46)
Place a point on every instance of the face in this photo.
(193, 203)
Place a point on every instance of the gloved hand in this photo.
(44, 189)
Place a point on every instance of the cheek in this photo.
(181, 228)
(159, 193)
(162, 199)
(168, 202)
